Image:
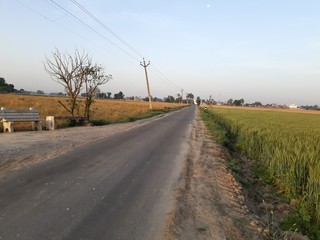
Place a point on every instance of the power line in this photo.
(105, 27)
(92, 29)
(163, 77)
(159, 79)
(67, 29)
(60, 25)
(26, 6)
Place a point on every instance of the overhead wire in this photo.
(33, 10)
(68, 29)
(106, 27)
(55, 22)
(162, 76)
(93, 30)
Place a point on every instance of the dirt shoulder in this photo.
(210, 203)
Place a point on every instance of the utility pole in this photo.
(182, 95)
(145, 70)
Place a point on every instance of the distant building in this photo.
(293, 106)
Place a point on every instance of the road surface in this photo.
(113, 188)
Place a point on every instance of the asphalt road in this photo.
(113, 188)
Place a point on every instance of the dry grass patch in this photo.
(103, 110)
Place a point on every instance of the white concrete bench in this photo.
(51, 121)
(9, 117)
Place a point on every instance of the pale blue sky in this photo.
(259, 50)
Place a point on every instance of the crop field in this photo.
(287, 144)
(103, 110)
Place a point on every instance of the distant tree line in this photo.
(232, 102)
(241, 102)
(179, 99)
(309, 107)
(5, 87)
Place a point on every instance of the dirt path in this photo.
(209, 204)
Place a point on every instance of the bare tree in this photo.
(94, 77)
(70, 72)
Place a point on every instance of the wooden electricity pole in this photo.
(145, 70)
(182, 95)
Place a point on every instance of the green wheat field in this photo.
(287, 144)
